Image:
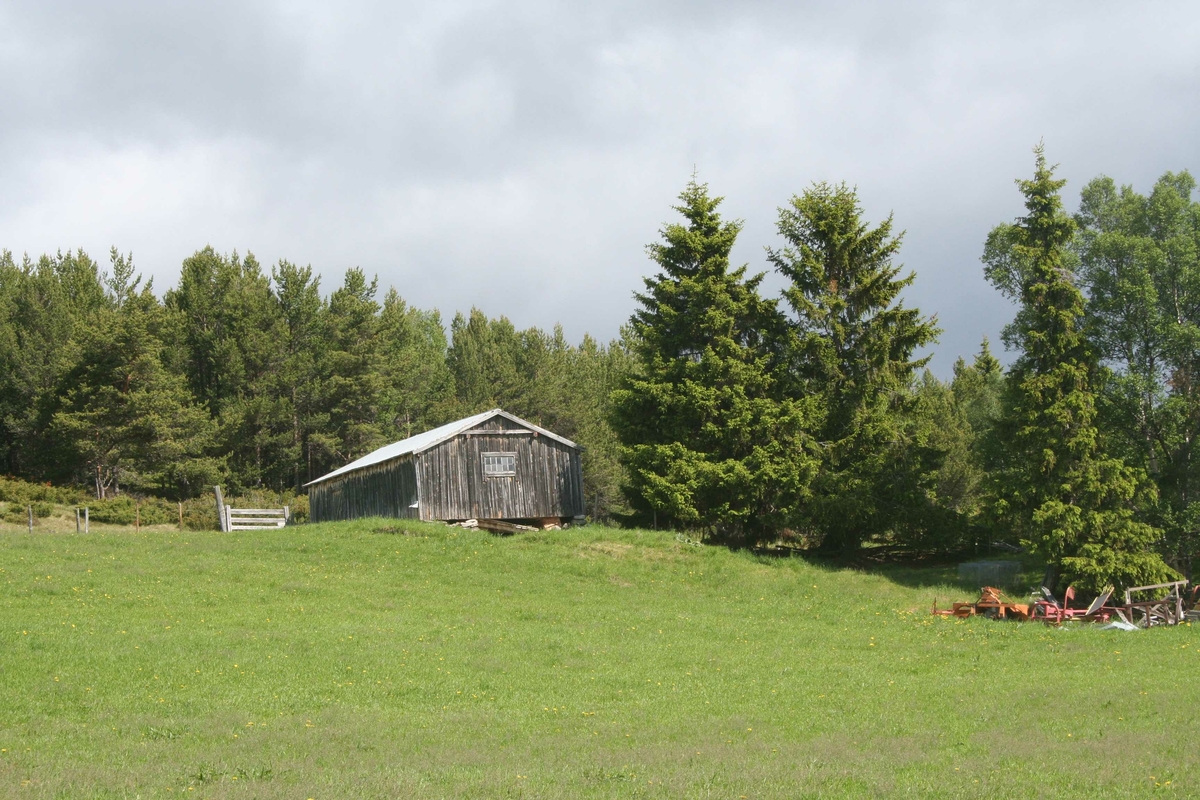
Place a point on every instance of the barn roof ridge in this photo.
(415, 445)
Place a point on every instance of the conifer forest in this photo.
(808, 418)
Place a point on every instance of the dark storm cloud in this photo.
(518, 156)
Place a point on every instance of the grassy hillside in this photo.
(379, 659)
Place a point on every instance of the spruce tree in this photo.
(710, 438)
(855, 344)
(1069, 501)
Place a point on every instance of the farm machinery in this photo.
(1175, 606)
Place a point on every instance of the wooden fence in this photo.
(249, 519)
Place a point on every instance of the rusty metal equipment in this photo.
(1176, 607)
(992, 604)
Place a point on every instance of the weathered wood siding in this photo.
(548, 483)
(382, 490)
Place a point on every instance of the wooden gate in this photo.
(255, 519)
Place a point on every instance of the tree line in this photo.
(809, 417)
(256, 379)
(812, 415)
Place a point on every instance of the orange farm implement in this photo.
(991, 603)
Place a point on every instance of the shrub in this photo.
(124, 511)
(18, 513)
(200, 514)
(13, 490)
(299, 507)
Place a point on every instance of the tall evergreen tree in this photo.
(959, 419)
(118, 416)
(48, 304)
(855, 350)
(711, 438)
(587, 379)
(1072, 503)
(352, 383)
(298, 379)
(486, 360)
(227, 335)
(11, 406)
(418, 385)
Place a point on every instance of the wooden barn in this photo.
(492, 466)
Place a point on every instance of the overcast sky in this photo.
(518, 156)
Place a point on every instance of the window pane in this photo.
(499, 464)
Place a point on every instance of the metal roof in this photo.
(423, 441)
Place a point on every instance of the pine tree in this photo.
(298, 379)
(418, 384)
(119, 417)
(711, 440)
(587, 379)
(488, 364)
(48, 303)
(855, 345)
(352, 384)
(13, 406)
(1073, 504)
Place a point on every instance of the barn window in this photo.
(499, 465)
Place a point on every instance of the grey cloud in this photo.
(518, 156)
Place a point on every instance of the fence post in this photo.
(220, 509)
(85, 520)
(180, 516)
(30, 510)
(77, 519)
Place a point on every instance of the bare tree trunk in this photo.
(1050, 579)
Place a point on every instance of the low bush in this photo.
(18, 513)
(13, 490)
(124, 511)
(299, 507)
(200, 514)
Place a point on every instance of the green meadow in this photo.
(381, 659)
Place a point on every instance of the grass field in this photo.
(385, 659)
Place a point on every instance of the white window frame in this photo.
(496, 471)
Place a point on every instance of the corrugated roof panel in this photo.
(410, 445)
(423, 441)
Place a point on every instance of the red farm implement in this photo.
(1048, 609)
